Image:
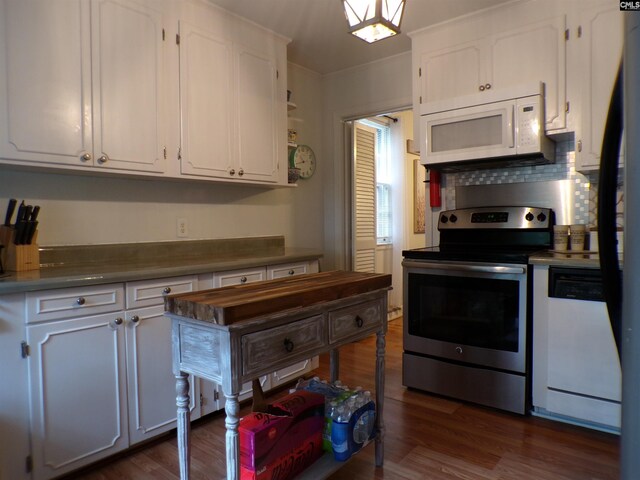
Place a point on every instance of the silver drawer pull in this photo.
(243, 280)
(81, 301)
(291, 272)
(118, 321)
(359, 321)
(166, 290)
(135, 319)
(288, 345)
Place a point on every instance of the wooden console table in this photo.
(235, 334)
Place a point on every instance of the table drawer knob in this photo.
(359, 321)
(81, 301)
(243, 280)
(288, 345)
(166, 290)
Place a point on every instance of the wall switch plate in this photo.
(182, 229)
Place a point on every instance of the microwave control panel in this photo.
(529, 124)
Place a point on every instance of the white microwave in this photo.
(492, 128)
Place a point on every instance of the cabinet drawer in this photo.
(274, 347)
(354, 320)
(73, 302)
(148, 293)
(238, 277)
(287, 270)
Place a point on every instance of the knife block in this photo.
(18, 258)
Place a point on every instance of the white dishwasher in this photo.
(576, 370)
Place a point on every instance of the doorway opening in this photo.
(387, 197)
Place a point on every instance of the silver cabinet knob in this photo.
(291, 272)
(459, 350)
(135, 319)
(481, 88)
(118, 321)
(86, 157)
(81, 301)
(232, 172)
(243, 280)
(241, 172)
(103, 159)
(166, 290)
(487, 86)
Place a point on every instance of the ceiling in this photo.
(318, 28)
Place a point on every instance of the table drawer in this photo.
(65, 303)
(275, 346)
(351, 321)
(147, 293)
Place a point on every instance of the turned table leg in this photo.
(232, 410)
(184, 424)
(380, 347)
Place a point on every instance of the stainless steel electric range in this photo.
(468, 306)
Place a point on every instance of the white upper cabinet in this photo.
(261, 115)
(127, 65)
(523, 43)
(533, 53)
(205, 104)
(232, 100)
(83, 83)
(598, 49)
(45, 77)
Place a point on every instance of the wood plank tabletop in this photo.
(227, 305)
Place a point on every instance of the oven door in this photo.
(473, 313)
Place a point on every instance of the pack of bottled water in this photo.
(349, 416)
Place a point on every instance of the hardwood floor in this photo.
(427, 437)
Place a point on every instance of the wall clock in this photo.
(302, 157)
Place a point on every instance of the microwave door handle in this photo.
(512, 130)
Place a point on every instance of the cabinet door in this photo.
(205, 103)
(600, 54)
(78, 392)
(45, 75)
(127, 55)
(529, 54)
(150, 380)
(259, 124)
(452, 71)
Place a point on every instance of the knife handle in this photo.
(10, 209)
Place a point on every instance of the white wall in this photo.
(92, 210)
(378, 87)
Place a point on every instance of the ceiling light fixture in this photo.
(373, 20)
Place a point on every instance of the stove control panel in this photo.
(490, 218)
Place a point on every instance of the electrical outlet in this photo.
(182, 228)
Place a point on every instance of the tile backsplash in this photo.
(586, 185)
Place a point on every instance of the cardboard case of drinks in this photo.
(281, 442)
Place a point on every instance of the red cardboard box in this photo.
(289, 465)
(265, 438)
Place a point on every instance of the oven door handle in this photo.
(500, 269)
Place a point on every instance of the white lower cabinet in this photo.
(151, 385)
(99, 365)
(78, 392)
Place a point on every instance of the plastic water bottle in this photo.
(340, 434)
